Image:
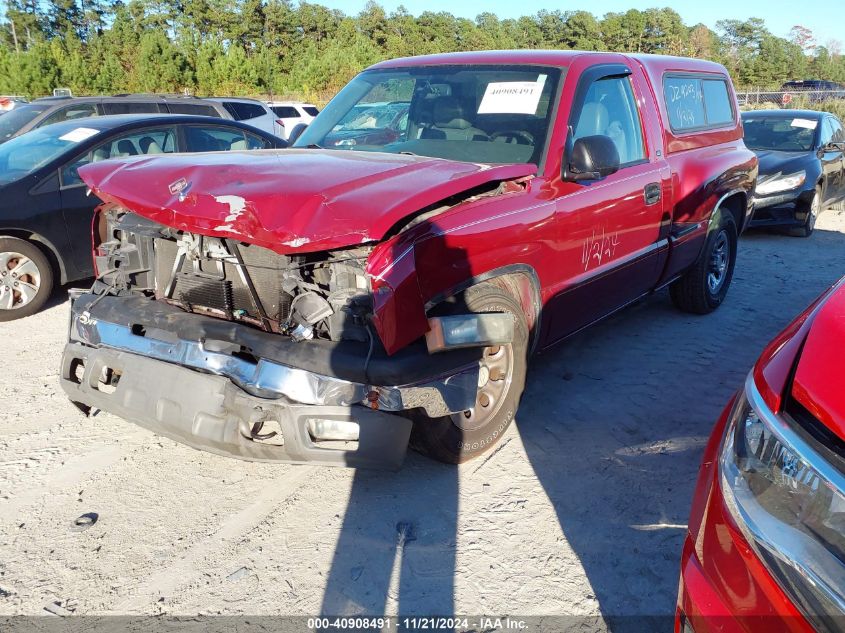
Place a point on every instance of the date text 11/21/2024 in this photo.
(417, 623)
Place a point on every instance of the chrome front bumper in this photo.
(207, 393)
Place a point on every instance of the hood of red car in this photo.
(818, 383)
(292, 200)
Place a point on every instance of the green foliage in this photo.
(303, 49)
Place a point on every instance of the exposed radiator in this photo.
(222, 289)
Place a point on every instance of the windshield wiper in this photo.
(314, 146)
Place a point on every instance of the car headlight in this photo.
(789, 501)
(779, 182)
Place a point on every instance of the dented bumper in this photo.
(208, 382)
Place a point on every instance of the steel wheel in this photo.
(20, 280)
(720, 258)
(494, 379)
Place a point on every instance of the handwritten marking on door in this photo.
(599, 247)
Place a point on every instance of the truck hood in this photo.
(818, 377)
(292, 200)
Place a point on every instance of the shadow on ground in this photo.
(613, 423)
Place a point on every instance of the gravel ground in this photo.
(580, 511)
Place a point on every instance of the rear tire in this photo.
(812, 210)
(703, 287)
(457, 438)
(26, 278)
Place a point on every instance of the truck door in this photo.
(611, 227)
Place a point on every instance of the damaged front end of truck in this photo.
(284, 327)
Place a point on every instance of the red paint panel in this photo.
(773, 370)
(818, 381)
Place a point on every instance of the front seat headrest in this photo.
(126, 148)
(149, 146)
(449, 113)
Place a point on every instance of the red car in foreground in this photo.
(765, 551)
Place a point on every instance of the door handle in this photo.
(651, 193)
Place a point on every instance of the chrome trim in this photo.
(780, 540)
(268, 379)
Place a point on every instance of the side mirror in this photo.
(296, 132)
(833, 147)
(591, 158)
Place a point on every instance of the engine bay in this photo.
(305, 296)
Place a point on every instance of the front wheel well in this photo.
(44, 246)
(520, 282)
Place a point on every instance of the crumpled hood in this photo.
(292, 200)
(818, 383)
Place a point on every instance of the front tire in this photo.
(812, 213)
(460, 437)
(26, 278)
(703, 288)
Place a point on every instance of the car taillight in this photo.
(280, 122)
(786, 494)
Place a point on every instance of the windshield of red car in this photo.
(478, 114)
(781, 134)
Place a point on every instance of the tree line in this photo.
(306, 50)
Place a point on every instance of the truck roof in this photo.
(654, 64)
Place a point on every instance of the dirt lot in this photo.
(582, 510)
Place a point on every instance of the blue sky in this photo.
(826, 18)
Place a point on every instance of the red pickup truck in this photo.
(333, 301)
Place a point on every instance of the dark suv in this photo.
(814, 90)
(50, 110)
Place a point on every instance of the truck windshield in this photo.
(477, 114)
(782, 134)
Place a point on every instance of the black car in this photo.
(51, 110)
(802, 166)
(45, 209)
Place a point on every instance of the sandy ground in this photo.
(582, 510)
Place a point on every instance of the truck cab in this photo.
(355, 293)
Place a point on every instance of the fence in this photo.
(787, 98)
